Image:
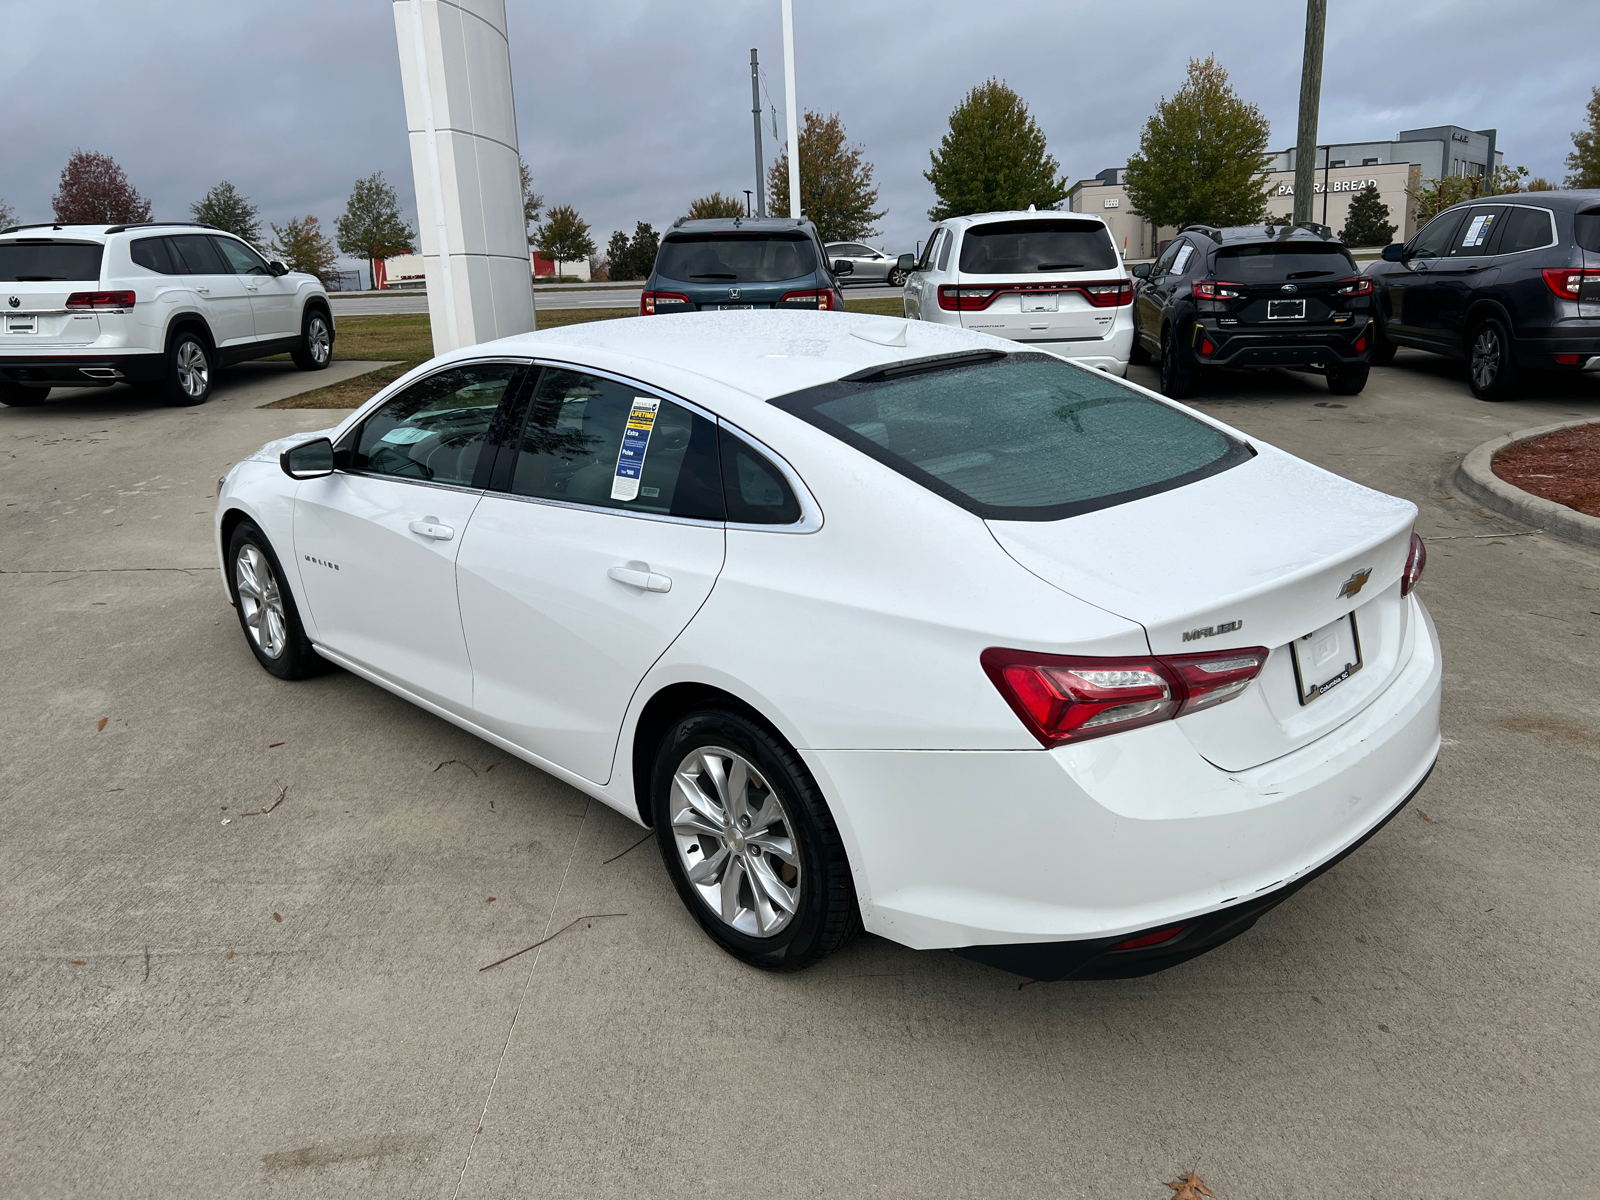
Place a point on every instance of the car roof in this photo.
(1571, 199)
(1270, 231)
(760, 353)
(741, 225)
(101, 230)
(1040, 214)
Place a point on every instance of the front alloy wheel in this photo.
(897, 278)
(260, 601)
(266, 607)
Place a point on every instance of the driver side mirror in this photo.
(277, 268)
(906, 263)
(309, 460)
(1140, 270)
(1394, 252)
(843, 266)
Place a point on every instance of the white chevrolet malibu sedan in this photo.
(877, 623)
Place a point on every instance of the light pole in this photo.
(1305, 154)
(794, 117)
(755, 113)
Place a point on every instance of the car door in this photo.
(1413, 297)
(920, 301)
(594, 548)
(1147, 307)
(1460, 275)
(222, 294)
(376, 541)
(272, 297)
(872, 266)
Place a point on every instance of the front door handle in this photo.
(640, 576)
(203, 291)
(429, 527)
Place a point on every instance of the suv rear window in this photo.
(1022, 437)
(1275, 262)
(44, 261)
(1024, 247)
(736, 257)
(1587, 224)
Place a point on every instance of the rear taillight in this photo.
(100, 300)
(1416, 563)
(965, 299)
(1207, 289)
(652, 303)
(1113, 293)
(1566, 281)
(1156, 937)
(1361, 285)
(813, 299)
(1069, 699)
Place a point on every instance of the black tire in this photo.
(189, 370)
(20, 395)
(1492, 371)
(825, 914)
(294, 657)
(1382, 348)
(1177, 383)
(315, 349)
(1348, 380)
(897, 277)
(1138, 356)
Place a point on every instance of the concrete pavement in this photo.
(290, 1003)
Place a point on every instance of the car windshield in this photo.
(1020, 437)
(1275, 262)
(736, 257)
(1027, 247)
(1588, 229)
(42, 261)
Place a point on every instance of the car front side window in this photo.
(1434, 240)
(241, 258)
(435, 429)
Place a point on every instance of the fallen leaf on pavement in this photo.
(275, 745)
(1425, 816)
(78, 962)
(101, 724)
(229, 954)
(1189, 1187)
(277, 918)
(490, 900)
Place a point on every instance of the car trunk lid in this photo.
(37, 275)
(1045, 278)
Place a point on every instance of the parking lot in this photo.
(247, 919)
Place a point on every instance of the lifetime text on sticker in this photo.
(635, 441)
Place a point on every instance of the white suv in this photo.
(1048, 278)
(162, 304)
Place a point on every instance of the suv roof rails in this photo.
(35, 225)
(152, 224)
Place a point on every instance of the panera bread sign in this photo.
(1338, 185)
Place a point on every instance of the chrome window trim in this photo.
(666, 518)
(427, 483)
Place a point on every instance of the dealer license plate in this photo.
(1286, 310)
(1326, 657)
(20, 324)
(1047, 302)
(729, 307)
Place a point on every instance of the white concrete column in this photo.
(455, 67)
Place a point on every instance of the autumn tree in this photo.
(1367, 223)
(718, 205)
(563, 236)
(836, 190)
(372, 226)
(224, 208)
(532, 202)
(1202, 156)
(993, 158)
(1433, 196)
(94, 191)
(8, 216)
(1583, 164)
(302, 246)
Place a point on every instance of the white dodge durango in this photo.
(876, 623)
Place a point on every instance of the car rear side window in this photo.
(153, 254)
(434, 430)
(195, 255)
(32, 261)
(1277, 262)
(757, 493)
(736, 257)
(592, 440)
(1027, 247)
(1022, 437)
(1587, 224)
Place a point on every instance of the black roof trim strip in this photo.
(913, 366)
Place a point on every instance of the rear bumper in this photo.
(1538, 352)
(82, 370)
(1322, 346)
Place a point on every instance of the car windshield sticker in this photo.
(406, 435)
(1182, 261)
(635, 441)
(1478, 230)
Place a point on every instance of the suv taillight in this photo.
(100, 300)
(821, 298)
(652, 303)
(1110, 293)
(1416, 563)
(966, 299)
(1069, 699)
(1361, 285)
(1208, 290)
(1565, 281)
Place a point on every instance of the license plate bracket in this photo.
(22, 323)
(1042, 302)
(1286, 310)
(1325, 658)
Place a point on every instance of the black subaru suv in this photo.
(1253, 296)
(1508, 283)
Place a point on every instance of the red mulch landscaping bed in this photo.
(1563, 466)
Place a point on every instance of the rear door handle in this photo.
(203, 291)
(429, 527)
(645, 580)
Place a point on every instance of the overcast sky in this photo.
(629, 109)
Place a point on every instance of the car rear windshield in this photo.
(1027, 247)
(44, 261)
(1277, 262)
(1020, 437)
(1588, 229)
(736, 257)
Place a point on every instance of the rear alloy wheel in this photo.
(749, 842)
(1348, 380)
(1176, 382)
(315, 350)
(20, 395)
(266, 607)
(1491, 370)
(897, 278)
(188, 380)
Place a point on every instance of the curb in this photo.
(1475, 476)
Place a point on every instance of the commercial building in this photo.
(406, 270)
(1396, 168)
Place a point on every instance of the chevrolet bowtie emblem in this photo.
(1355, 583)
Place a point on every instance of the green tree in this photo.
(532, 202)
(617, 257)
(718, 205)
(836, 190)
(8, 215)
(224, 208)
(95, 191)
(372, 226)
(302, 246)
(1202, 156)
(1368, 221)
(993, 159)
(563, 236)
(642, 250)
(1583, 164)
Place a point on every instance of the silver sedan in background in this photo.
(870, 266)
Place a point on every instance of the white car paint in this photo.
(857, 633)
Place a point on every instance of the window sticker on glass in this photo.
(635, 441)
(1182, 260)
(406, 435)
(1478, 230)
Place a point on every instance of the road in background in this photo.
(363, 304)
